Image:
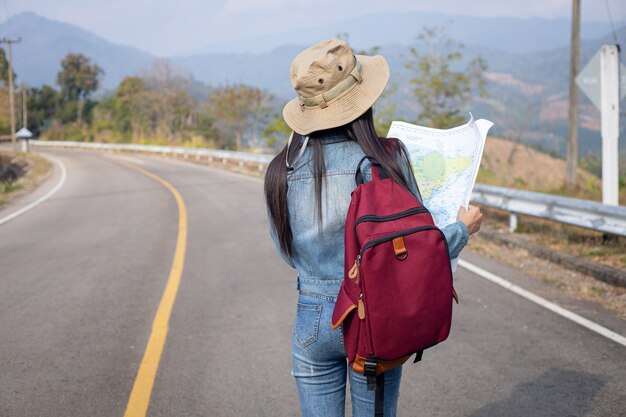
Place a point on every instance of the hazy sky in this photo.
(166, 27)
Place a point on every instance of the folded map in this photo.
(445, 163)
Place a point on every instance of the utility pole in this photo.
(18, 106)
(572, 131)
(24, 107)
(10, 43)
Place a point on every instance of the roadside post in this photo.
(23, 136)
(603, 80)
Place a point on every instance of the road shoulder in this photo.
(35, 189)
(583, 295)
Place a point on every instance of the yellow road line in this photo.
(142, 389)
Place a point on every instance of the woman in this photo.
(307, 189)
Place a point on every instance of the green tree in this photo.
(43, 106)
(172, 107)
(4, 68)
(439, 87)
(276, 132)
(156, 107)
(133, 108)
(237, 109)
(78, 79)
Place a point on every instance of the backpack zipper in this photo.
(354, 271)
(392, 237)
(396, 216)
(361, 307)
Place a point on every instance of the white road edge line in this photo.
(603, 331)
(43, 198)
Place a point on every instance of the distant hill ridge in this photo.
(527, 81)
(46, 41)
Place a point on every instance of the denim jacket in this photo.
(319, 249)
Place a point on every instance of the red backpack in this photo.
(396, 296)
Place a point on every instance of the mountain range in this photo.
(528, 61)
(45, 42)
(514, 34)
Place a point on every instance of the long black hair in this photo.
(390, 153)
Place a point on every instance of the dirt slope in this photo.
(515, 165)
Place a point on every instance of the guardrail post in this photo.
(513, 222)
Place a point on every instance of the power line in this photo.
(621, 22)
(608, 9)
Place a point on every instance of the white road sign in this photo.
(588, 80)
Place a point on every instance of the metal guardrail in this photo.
(582, 213)
(577, 212)
(197, 153)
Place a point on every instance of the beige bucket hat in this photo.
(334, 86)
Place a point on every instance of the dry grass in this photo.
(514, 165)
(589, 244)
(560, 281)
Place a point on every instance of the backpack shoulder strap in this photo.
(378, 172)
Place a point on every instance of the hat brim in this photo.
(346, 107)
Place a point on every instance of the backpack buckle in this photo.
(370, 367)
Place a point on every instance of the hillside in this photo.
(515, 165)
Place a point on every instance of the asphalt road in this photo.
(82, 275)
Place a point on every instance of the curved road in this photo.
(82, 276)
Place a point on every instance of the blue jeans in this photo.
(320, 367)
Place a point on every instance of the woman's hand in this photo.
(472, 218)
